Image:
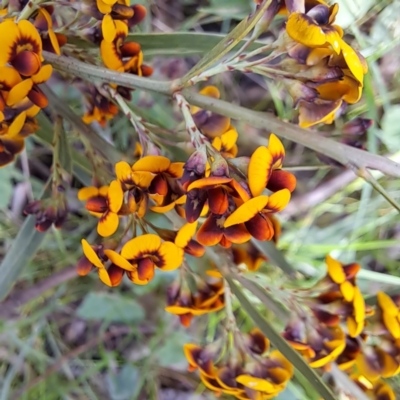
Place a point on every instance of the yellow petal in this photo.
(335, 270)
(260, 167)
(108, 224)
(144, 244)
(115, 196)
(103, 7)
(185, 234)
(247, 211)
(229, 138)
(277, 150)
(142, 179)
(90, 254)
(392, 325)
(88, 192)
(104, 277)
(176, 169)
(387, 304)
(211, 91)
(347, 290)
(261, 385)
(171, 256)
(108, 28)
(15, 128)
(359, 305)
(118, 260)
(278, 200)
(352, 61)
(19, 92)
(154, 164)
(123, 171)
(9, 33)
(43, 75)
(302, 30)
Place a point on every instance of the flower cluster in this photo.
(344, 329)
(244, 368)
(335, 71)
(21, 71)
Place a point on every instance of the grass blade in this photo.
(23, 248)
(269, 249)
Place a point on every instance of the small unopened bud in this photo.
(195, 167)
(219, 166)
(357, 126)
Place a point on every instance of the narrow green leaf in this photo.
(45, 135)
(64, 151)
(228, 43)
(281, 344)
(23, 248)
(181, 44)
(270, 250)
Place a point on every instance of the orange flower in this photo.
(186, 303)
(51, 41)
(210, 124)
(318, 344)
(164, 170)
(98, 107)
(21, 47)
(145, 253)
(113, 53)
(98, 257)
(105, 203)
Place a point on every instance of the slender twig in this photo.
(340, 152)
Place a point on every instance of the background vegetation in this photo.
(87, 342)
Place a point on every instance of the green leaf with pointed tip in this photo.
(281, 344)
(229, 42)
(23, 248)
(173, 44)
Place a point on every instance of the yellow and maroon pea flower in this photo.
(212, 189)
(115, 10)
(115, 53)
(9, 149)
(341, 299)
(389, 315)
(375, 362)
(248, 255)
(184, 240)
(48, 212)
(202, 358)
(207, 298)
(98, 107)
(145, 253)
(319, 344)
(316, 29)
(210, 124)
(255, 214)
(376, 390)
(347, 359)
(104, 202)
(226, 143)
(21, 47)
(267, 378)
(164, 170)
(103, 260)
(51, 41)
